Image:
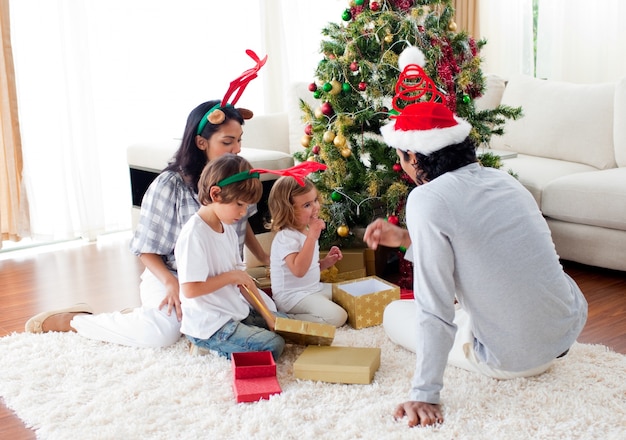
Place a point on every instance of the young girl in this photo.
(294, 257)
(215, 288)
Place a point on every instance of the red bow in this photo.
(298, 172)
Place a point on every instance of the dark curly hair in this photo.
(447, 159)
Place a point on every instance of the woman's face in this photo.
(227, 139)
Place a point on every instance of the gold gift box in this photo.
(356, 365)
(304, 332)
(365, 299)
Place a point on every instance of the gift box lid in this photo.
(254, 389)
(253, 364)
(304, 332)
(356, 365)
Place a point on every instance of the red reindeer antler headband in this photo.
(215, 115)
(298, 172)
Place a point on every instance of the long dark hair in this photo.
(447, 159)
(189, 160)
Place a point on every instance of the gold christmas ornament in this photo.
(318, 113)
(305, 140)
(346, 152)
(388, 38)
(339, 141)
(343, 231)
(336, 87)
(452, 26)
(329, 136)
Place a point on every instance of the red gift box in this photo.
(251, 364)
(254, 376)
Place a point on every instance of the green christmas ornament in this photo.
(327, 87)
(466, 99)
(346, 16)
(335, 196)
(317, 94)
(345, 87)
(359, 2)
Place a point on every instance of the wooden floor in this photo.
(106, 275)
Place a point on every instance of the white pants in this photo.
(400, 316)
(319, 307)
(144, 326)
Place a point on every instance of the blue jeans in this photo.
(249, 334)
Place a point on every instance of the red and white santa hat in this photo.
(425, 125)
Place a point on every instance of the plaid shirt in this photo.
(166, 206)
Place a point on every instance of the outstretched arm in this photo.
(383, 233)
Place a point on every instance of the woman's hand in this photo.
(172, 299)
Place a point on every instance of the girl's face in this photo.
(306, 207)
(227, 139)
(230, 213)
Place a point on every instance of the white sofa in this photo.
(571, 155)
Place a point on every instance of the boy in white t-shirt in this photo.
(217, 311)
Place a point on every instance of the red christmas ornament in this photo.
(362, 86)
(374, 6)
(393, 219)
(316, 149)
(327, 109)
(354, 66)
(397, 167)
(312, 87)
(308, 129)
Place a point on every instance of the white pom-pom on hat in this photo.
(411, 55)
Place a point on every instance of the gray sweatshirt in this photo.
(478, 235)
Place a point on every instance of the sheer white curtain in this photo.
(581, 41)
(96, 76)
(508, 28)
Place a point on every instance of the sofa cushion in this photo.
(619, 127)
(494, 88)
(596, 198)
(564, 121)
(535, 173)
(154, 156)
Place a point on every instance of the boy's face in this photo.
(231, 213)
(306, 207)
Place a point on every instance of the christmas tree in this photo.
(354, 83)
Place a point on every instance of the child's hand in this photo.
(316, 226)
(242, 278)
(334, 255)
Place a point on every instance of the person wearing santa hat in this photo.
(490, 293)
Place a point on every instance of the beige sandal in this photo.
(34, 324)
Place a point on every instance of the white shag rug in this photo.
(67, 387)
